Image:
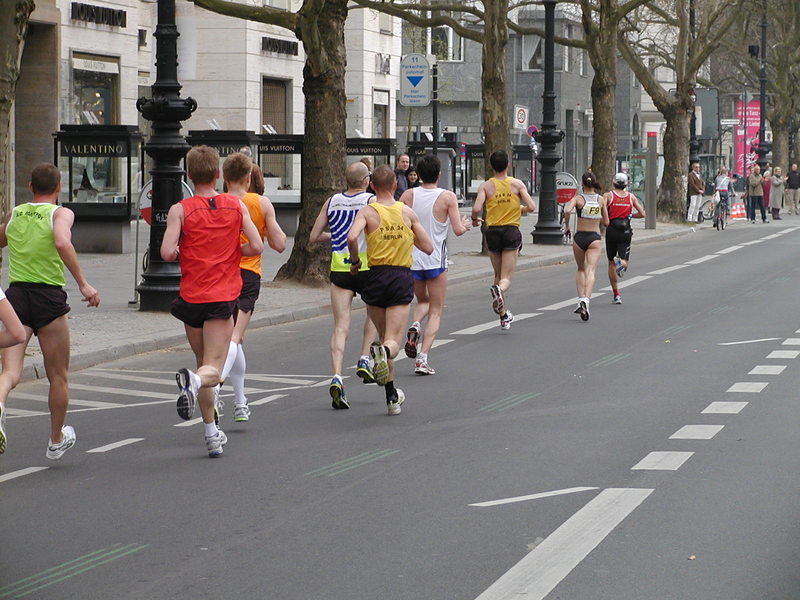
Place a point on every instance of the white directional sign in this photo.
(520, 117)
(415, 80)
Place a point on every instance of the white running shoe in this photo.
(498, 304)
(584, 310)
(393, 406)
(617, 299)
(423, 368)
(380, 363)
(189, 389)
(241, 413)
(215, 443)
(68, 437)
(506, 320)
(619, 267)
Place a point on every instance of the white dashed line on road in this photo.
(791, 342)
(724, 408)
(730, 249)
(21, 473)
(667, 269)
(532, 496)
(623, 283)
(494, 324)
(790, 354)
(115, 445)
(571, 302)
(702, 259)
(662, 461)
(696, 432)
(767, 370)
(747, 387)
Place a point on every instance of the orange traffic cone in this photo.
(738, 212)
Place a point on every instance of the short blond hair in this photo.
(202, 164)
(236, 168)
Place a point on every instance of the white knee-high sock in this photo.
(237, 376)
(232, 349)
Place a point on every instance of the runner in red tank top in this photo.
(203, 234)
(622, 207)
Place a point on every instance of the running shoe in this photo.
(364, 370)
(2, 428)
(188, 397)
(393, 404)
(68, 437)
(577, 308)
(584, 311)
(422, 368)
(498, 305)
(214, 443)
(241, 413)
(380, 363)
(619, 267)
(411, 340)
(217, 404)
(338, 397)
(506, 320)
(617, 299)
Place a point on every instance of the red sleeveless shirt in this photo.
(620, 207)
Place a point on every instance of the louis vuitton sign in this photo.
(98, 14)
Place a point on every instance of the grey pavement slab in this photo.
(117, 328)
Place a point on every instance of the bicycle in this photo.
(718, 213)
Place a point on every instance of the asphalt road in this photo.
(647, 454)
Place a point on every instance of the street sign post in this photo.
(520, 117)
(415, 80)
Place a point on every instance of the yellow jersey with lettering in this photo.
(391, 241)
(253, 203)
(502, 207)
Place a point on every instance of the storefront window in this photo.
(95, 90)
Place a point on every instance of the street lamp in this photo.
(694, 144)
(167, 147)
(763, 146)
(548, 229)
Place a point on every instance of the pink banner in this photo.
(744, 155)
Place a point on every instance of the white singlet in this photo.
(422, 203)
(591, 207)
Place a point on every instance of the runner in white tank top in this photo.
(437, 210)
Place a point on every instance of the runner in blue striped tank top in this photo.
(437, 210)
(337, 216)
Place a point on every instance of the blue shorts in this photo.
(425, 274)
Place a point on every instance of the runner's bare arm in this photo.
(460, 224)
(528, 205)
(604, 212)
(358, 226)
(62, 239)
(568, 208)
(639, 210)
(407, 198)
(254, 245)
(3, 239)
(169, 243)
(276, 238)
(477, 207)
(318, 233)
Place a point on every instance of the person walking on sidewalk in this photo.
(591, 211)
(621, 206)
(39, 239)
(391, 229)
(237, 172)
(792, 179)
(502, 195)
(755, 190)
(203, 235)
(776, 189)
(697, 188)
(337, 215)
(437, 210)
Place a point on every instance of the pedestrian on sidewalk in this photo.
(39, 239)
(792, 179)
(203, 235)
(776, 190)
(592, 212)
(697, 188)
(437, 210)
(402, 165)
(755, 190)
(391, 229)
(622, 206)
(337, 215)
(238, 171)
(506, 198)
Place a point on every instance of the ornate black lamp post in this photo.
(166, 109)
(763, 146)
(694, 144)
(548, 229)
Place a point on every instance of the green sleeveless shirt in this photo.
(32, 255)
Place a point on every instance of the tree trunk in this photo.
(671, 194)
(493, 81)
(323, 161)
(13, 25)
(604, 138)
(780, 143)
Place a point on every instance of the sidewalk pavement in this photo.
(118, 329)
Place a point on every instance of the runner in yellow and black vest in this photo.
(505, 198)
(391, 229)
(39, 239)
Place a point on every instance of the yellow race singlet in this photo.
(503, 207)
(391, 242)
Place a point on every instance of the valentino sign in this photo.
(98, 14)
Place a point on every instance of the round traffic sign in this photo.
(566, 187)
(532, 130)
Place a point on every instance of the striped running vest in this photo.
(342, 209)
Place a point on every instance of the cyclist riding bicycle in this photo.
(723, 185)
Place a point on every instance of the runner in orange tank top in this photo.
(206, 304)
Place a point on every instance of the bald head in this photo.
(355, 174)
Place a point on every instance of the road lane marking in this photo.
(772, 237)
(730, 249)
(609, 359)
(21, 473)
(791, 342)
(571, 302)
(21, 412)
(662, 461)
(747, 342)
(115, 445)
(623, 283)
(702, 259)
(266, 400)
(747, 387)
(544, 567)
(71, 568)
(533, 496)
(510, 402)
(722, 308)
(492, 324)
(675, 329)
(351, 463)
(121, 391)
(790, 354)
(436, 344)
(724, 408)
(696, 432)
(767, 370)
(751, 242)
(72, 401)
(667, 269)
